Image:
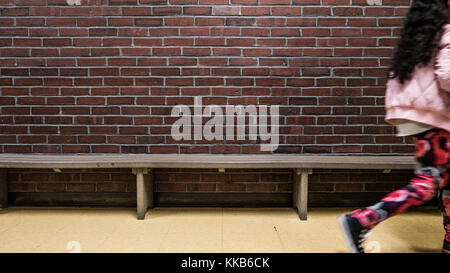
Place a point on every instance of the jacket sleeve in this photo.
(443, 64)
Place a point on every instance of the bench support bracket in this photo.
(3, 190)
(144, 191)
(300, 192)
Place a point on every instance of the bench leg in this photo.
(144, 191)
(148, 178)
(3, 190)
(300, 192)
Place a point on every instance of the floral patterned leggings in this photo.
(432, 152)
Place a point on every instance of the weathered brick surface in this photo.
(104, 75)
(203, 180)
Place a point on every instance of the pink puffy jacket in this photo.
(425, 97)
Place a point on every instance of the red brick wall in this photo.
(326, 186)
(103, 76)
(204, 180)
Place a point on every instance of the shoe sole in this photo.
(347, 236)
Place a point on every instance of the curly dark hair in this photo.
(420, 37)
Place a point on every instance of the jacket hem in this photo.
(423, 116)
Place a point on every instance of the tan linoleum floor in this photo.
(33, 229)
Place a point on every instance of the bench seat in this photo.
(142, 164)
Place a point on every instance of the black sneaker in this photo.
(354, 233)
(446, 247)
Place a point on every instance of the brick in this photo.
(255, 11)
(50, 187)
(316, 11)
(105, 11)
(197, 10)
(225, 10)
(239, 21)
(123, 2)
(347, 187)
(148, 22)
(346, 11)
(267, 187)
(21, 187)
(30, 22)
(103, 77)
(201, 187)
(275, 2)
(155, 2)
(244, 2)
(179, 21)
(111, 187)
(81, 187)
(286, 11)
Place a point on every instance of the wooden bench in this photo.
(142, 165)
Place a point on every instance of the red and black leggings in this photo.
(432, 173)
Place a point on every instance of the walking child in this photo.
(418, 104)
